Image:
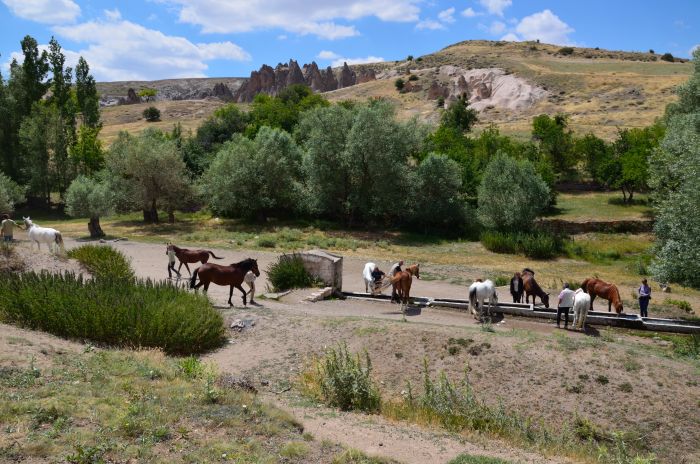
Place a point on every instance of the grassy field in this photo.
(600, 206)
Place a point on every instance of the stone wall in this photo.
(325, 266)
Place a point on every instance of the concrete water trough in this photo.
(628, 321)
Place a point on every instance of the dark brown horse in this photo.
(231, 275)
(596, 287)
(516, 288)
(402, 283)
(533, 288)
(190, 256)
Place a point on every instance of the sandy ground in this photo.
(528, 366)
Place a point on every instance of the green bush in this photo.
(680, 304)
(566, 51)
(289, 272)
(668, 57)
(537, 245)
(399, 84)
(115, 312)
(103, 262)
(470, 459)
(412, 77)
(342, 380)
(151, 114)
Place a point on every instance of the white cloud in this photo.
(122, 50)
(497, 27)
(510, 37)
(317, 17)
(495, 7)
(45, 11)
(282, 37)
(470, 13)
(113, 15)
(327, 55)
(546, 27)
(446, 16)
(429, 24)
(370, 59)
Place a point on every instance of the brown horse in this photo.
(231, 275)
(531, 287)
(402, 283)
(596, 287)
(189, 256)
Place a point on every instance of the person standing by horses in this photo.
(249, 279)
(8, 227)
(644, 292)
(395, 269)
(566, 302)
(171, 262)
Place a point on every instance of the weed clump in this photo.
(289, 272)
(537, 245)
(103, 262)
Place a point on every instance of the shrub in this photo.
(151, 114)
(289, 272)
(668, 57)
(399, 84)
(10, 261)
(412, 77)
(537, 245)
(440, 103)
(566, 51)
(471, 459)
(103, 262)
(409, 58)
(342, 380)
(680, 304)
(651, 50)
(115, 312)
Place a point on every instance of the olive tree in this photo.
(255, 178)
(90, 198)
(511, 194)
(147, 171)
(438, 203)
(10, 194)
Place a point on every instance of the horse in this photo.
(478, 293)
(185, 256)
(582, 302)
(402, 283)
(596, 287)
(516, 288)
(231, 275)
(367, 276)
(531, 287)
(40, 235)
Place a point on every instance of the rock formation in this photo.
(131, 97)
(347, 77)
(222, 92)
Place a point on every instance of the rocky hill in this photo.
(508, 82)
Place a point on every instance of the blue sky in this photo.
(160, 39)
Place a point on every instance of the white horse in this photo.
(39, 235)
(367, 276)
(478, 293)
(582, 301)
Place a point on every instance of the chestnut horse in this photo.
(402, 283)
(190, 256)
(531, 287)
(231, 275)
(596, 287)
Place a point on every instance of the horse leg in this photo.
(230, 294)
(179, 268)
(592, 300)
(609, 305)
(239, 287)
(187, 267)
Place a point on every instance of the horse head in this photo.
(27, 222)
(414, 270)
(168, 247)
(254, 267)
(545, 300)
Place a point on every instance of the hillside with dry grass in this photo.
(600, 90)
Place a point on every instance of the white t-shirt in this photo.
(249, 277)
(567, 298)
(394, 269)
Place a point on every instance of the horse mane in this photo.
(528, 270)
(246, 263)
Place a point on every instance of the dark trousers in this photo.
(644, 306)
(563, 310)
(172, 266)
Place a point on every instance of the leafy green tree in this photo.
(459, 116)
(595, 151)
(38, 137)
(675, 176)
(282, 111)
(555, 142)
(399, 84)
(254, 179)
(86, 93)
(438, 203)
(148, 93)
(11, 194)
(511, 194)
(35, 69)
(91, 198)
(87, 154)
(219, 128)
(147, 171)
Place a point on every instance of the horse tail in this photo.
(472, 297)
(213, 255)
(193, 280)
(59, 241)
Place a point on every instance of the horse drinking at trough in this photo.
(402, 283)
(39, 235)
(231, 275)
(478, 293)
(533, 288)
(185, 256)
(596, 287)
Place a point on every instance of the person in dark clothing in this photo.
(644, 297)
(377, 275)
(516, 288)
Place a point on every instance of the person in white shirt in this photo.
(249, 279)
(566, 302)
